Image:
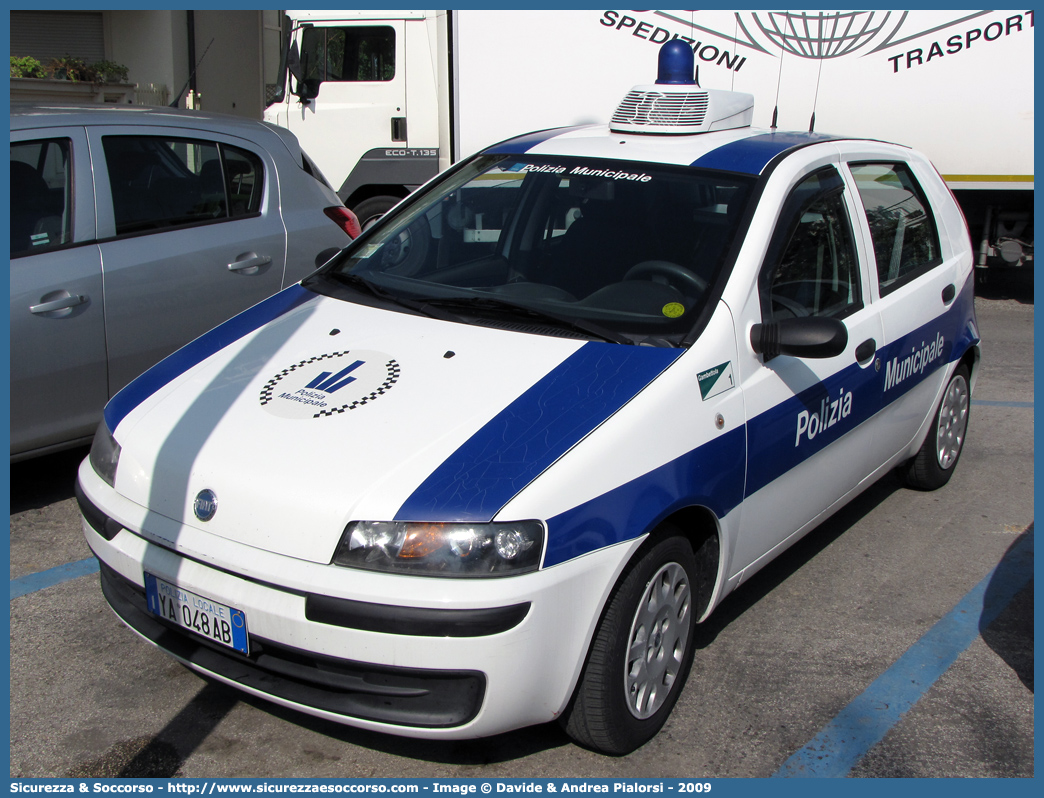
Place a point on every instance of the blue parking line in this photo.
(865, 722)
(52, 576)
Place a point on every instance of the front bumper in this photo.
(415, 656)
(401, 696)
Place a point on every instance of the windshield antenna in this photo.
(735, 43)
(779, 76)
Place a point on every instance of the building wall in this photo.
(154, 46)
(228, 49)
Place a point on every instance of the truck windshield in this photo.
(628, 251)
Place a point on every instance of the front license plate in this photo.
(217, 622)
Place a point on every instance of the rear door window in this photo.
(159, 183)
(904, 232)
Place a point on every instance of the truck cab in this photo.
(371, 75)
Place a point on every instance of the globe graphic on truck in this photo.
(821, 34)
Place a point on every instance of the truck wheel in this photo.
(933, 465)
(372, 209)
(643, 648)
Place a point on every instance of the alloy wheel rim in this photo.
(658, 640)
(953, 421)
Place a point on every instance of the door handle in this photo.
(61, 303)
(948, 293)
(398, 128)
(866, 350)
(249, 262)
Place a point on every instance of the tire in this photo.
(372, 209)
(643, 649)
(934, 464)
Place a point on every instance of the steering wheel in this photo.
(404, 253)
(675, 275)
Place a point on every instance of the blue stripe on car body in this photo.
(523, 144)
(531, 433)
(200, 349)
(720, 474)
(748, 155)
(751, 155)
(773, 450)
(709, 476)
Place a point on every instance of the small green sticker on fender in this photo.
(716, 380)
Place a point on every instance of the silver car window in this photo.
(158, 183)
(41, 195)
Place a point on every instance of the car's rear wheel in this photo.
(643, 649)
(934, 463)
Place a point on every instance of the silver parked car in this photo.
(134, 231)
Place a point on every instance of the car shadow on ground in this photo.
(45, 480)
(1010, 634)
(793, 559)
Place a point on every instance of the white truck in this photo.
(384, 100)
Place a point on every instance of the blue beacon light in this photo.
(676, 64)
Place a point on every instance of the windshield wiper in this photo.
(433, 307)
(365, 286)
(490, 303)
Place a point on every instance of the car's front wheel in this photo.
(934, 463)
(643, 649)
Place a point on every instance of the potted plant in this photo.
(109, 72)
(26, 67)
(69, 68)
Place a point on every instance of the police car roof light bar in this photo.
(676, 105)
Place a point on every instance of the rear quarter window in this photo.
(41, 195)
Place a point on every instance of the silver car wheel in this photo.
(953, 422)
(657, 642)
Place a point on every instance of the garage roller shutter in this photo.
(53, 34)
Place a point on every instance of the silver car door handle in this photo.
(62, 303)
(249, 260)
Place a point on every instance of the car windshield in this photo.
(619, 250)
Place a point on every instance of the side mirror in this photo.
(806, 336)
(308, 89)
(293, 63)
(305, 88)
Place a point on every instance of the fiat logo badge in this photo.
(205, 505)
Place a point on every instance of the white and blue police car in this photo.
(490, 465)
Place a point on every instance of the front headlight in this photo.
(462, 550)
(105, 454)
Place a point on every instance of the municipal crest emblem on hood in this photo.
(330, 384)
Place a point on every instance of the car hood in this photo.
(308, 412)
